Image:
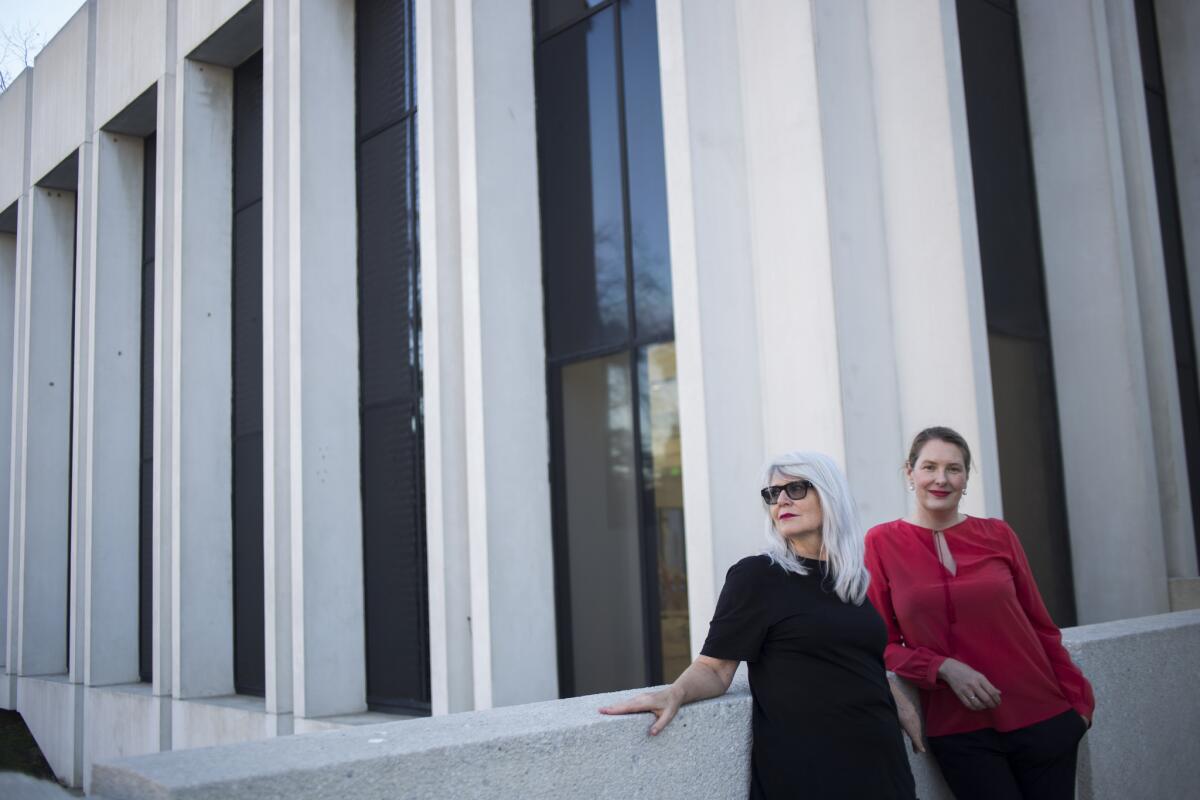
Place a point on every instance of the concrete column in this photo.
(1104, 279)
(312, 498)
(1178, 533)
(197, 420)
(939, 325)
(81, 379)
(446, 525)
(719, 378)
(110, 420)
(15, 358)
(45, 414)
(874, 432)
(163, 490)
(790, 250)
(508, 507)
(278, 402)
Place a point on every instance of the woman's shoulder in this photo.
(994, 527)
(996, 533)
(885, 531)
(751, 566)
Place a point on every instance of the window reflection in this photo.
(579, 152)
(647, 174)
(552, 13)
(663, 476)
(602, 525)
(619, 529)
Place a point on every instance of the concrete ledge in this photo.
(120, 721)
(1143, 743)
(1146, 727)
(51, 707)
(226, 720)
(8, 694)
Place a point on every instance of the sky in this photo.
(47, 15)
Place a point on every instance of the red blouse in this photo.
(988, 615)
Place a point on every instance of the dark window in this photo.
(146, 469)
(1014, 295)
(620, 576)
(249, 657)
(393, 486)
(1171, 229)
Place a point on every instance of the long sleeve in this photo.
(1074, 685)
(917, 664)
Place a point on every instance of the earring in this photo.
(964, 492)
(912, 488)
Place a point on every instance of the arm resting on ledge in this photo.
(908, 708)
(705, 678)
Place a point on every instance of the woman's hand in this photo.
(908, 709)
(662, 704)
(706, 677)
(972, 688)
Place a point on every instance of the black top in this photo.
(825, 723)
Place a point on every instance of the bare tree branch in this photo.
(19, 43)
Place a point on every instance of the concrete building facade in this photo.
(409, 358)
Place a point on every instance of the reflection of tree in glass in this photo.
(610, 279)
(652, 279)
(620, 419)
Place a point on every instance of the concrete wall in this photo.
(52, 708)
(819, 190)
(1106, 293)
(13, 126)
(130, 51)
(60, 81)
(119, 721)
(1141, 746)
(197, 21)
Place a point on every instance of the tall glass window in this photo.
(389, 320)
(1014, 295)
(621, 583)
(1171, 229)
(249, 622)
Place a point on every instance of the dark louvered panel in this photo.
(248, 566)
(388, 284)
(248, 132)
(394, 552)
(397, 628)
(146, 469)
(247, 324)
(383, 63)
(247, 400)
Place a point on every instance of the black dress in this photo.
(824, 721)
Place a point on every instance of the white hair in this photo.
(842, 537)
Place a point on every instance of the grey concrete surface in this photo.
(1141, 745)
(16, 786)
(1146, 733)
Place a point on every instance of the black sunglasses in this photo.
(796, 490)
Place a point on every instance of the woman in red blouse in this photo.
(1005, 707)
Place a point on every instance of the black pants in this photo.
(1032, 763)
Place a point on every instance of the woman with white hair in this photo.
(825, 721)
